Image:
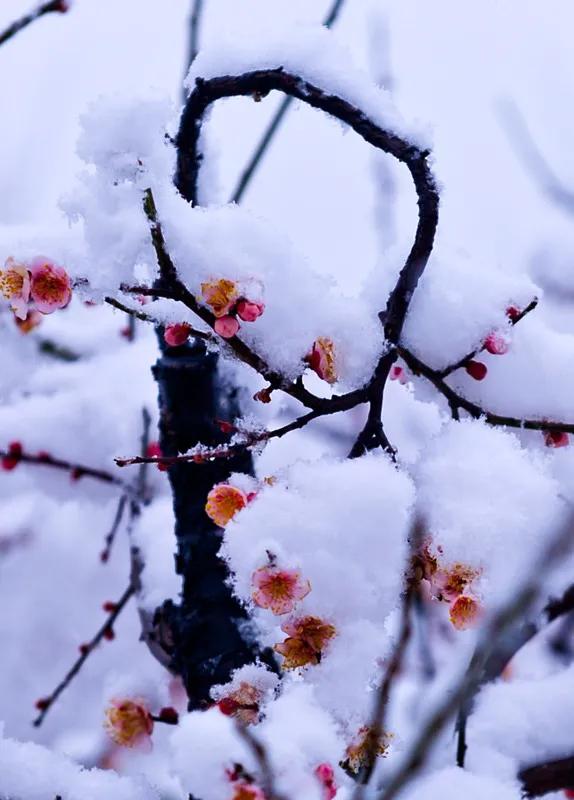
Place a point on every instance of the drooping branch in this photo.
(51, 7)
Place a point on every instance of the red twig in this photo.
(76, 471)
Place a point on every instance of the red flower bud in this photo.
(169, 715)
(556, 439)
(227, 706)
(42, 704)
(109, 607)
(512, 312)
(11, 461)
(109, 634)
(476, 370)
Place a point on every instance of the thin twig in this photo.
(500, 622)
(260, 753)
(46, 703)
(274, 125)
(547, 180)
(54, 6)
(141, 315)
(463, 361)
(110, 537)
(76, 471)
(194, 32)
(394, 666)
(418, 367)
(226, 451)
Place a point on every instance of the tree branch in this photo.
(550, 776)
(418, 367)
(274, 125)
(46, 703)
(54, 6)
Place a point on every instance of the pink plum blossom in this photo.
(496, 344)
(278, 589)
(326, 776)
(177, 334)
(220, 295)
(249, 310)
(15, 286)
(223, 503)
(226, 327)
(321, 359)
(50, 287)
(129, 722)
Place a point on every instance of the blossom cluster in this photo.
(39, 286)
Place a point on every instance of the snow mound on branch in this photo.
(457, 304)
(312, 53)
(488, 503)
(125, 149)
(528, 721)
(341, 524)
(300, 305)
(452, 783)
(296, 733)
(31, 772)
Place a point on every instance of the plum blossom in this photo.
(220, 296)
(249, 310)
(50, 287)
(496, 344)
(227, 327)
(307, 638)
(464, 612)
(223, 503)
(278, 589)
(129, 722)
(449, 583)
(29, 322)
(326, 776)
(243, 703)
(177, 334)
(364, 747)
(321, 359)
(397, 373)
(247, 791)
(15, 286)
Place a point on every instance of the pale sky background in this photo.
(452, 61)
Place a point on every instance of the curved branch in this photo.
(51, 7)
(260, 83)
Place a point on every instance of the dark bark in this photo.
(208, 629)
(552, 776)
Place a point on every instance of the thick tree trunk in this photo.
(209, 629)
